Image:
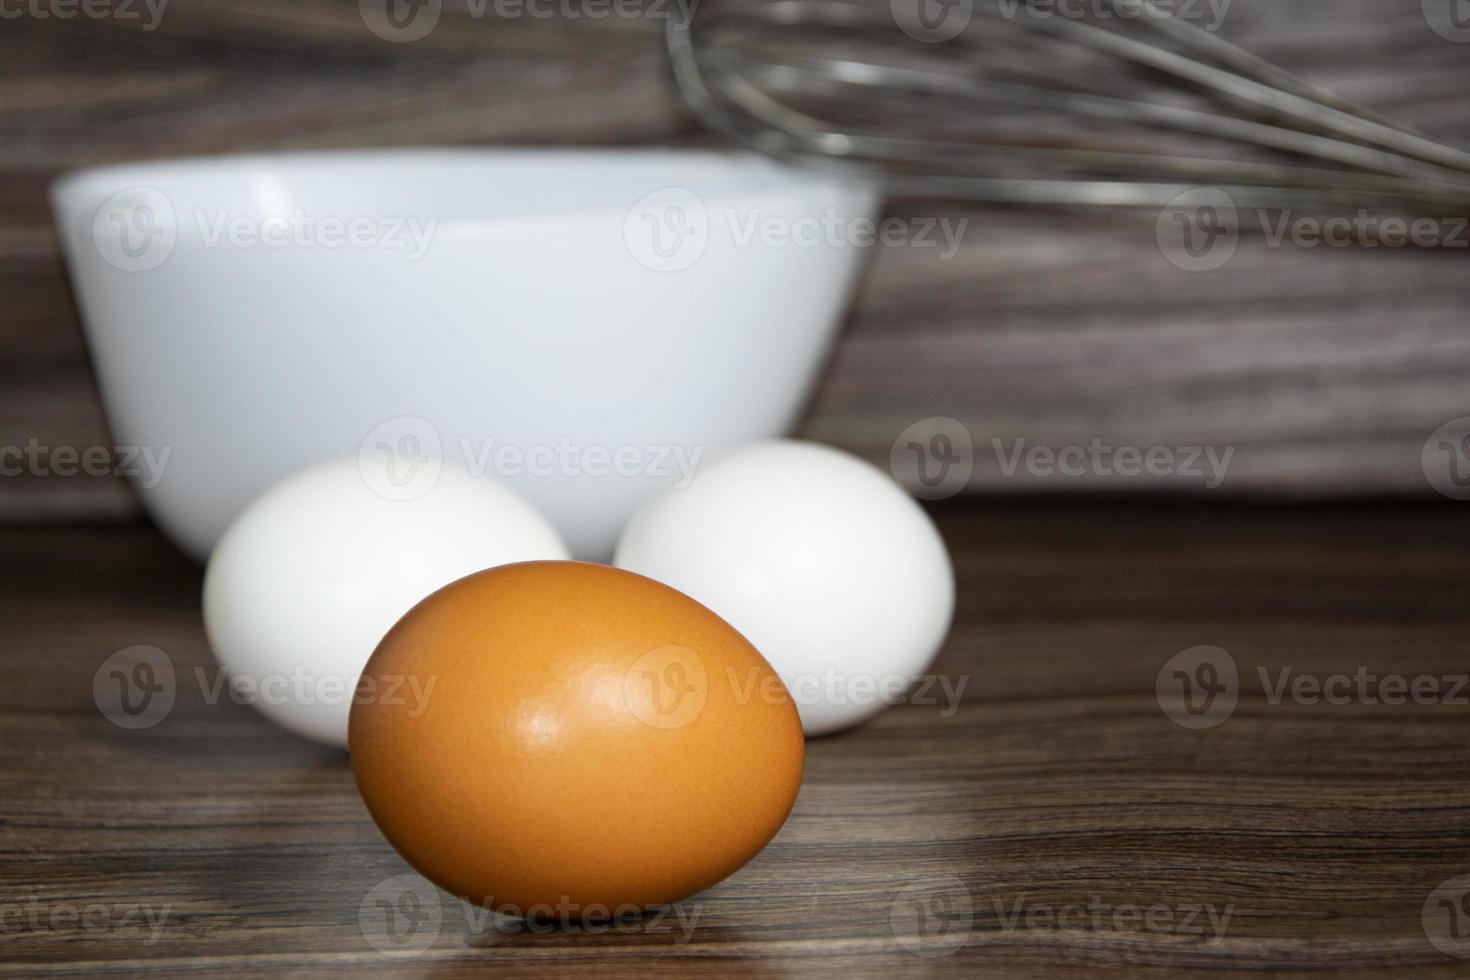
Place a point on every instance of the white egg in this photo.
(826, 565)
(312, 574)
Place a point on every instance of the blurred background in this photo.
(1322, 369)
(1262, 369)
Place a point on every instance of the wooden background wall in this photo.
(1325, 369)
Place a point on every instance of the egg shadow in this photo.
(682, 940)
(657, 929)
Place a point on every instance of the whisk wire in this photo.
(741, 66)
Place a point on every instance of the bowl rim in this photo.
(88, 187)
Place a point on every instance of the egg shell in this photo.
(308, 578)
(593, 740)
(819, 558)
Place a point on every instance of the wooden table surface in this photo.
(1054, 822)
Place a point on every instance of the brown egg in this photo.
(590, 739)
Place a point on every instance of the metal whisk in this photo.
(1128, 104)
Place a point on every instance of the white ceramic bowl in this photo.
(581, 323)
